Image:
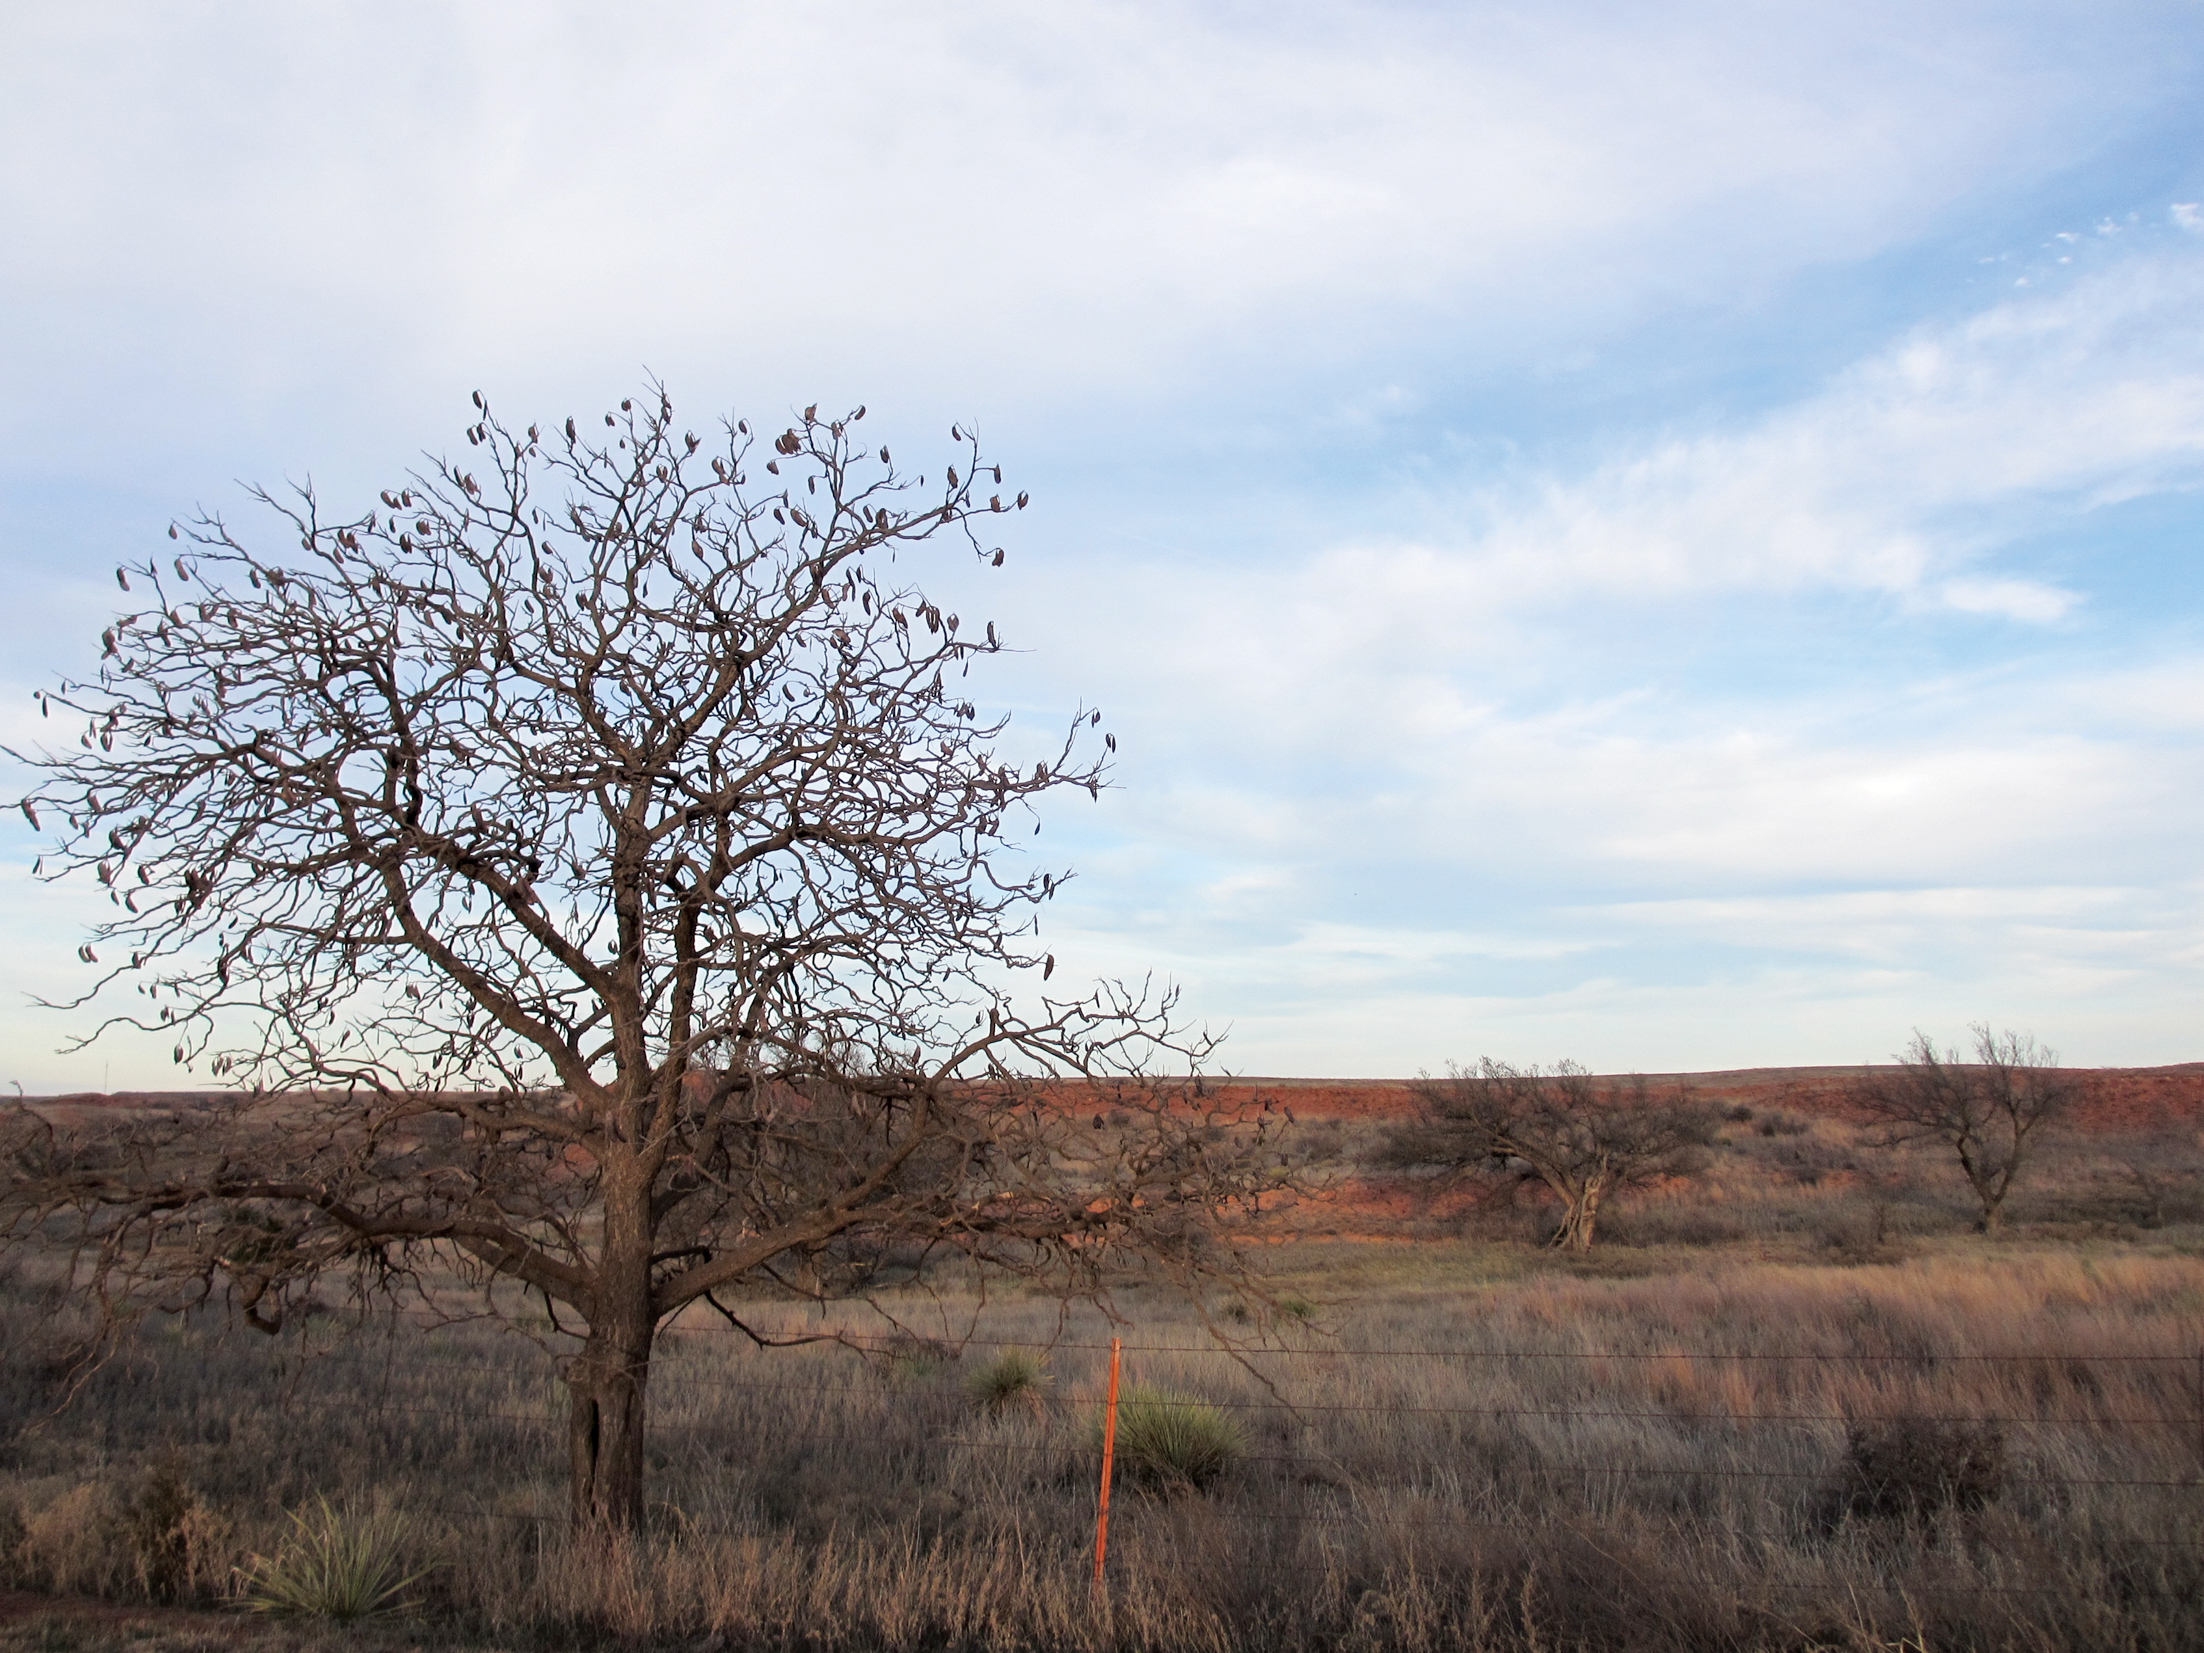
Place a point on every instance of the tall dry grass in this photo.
(1608, 1463)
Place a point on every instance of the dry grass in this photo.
(1659, 1447)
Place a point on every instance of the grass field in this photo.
(1793, 1405)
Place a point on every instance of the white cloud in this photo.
(2028, 601)
(1455, 775)
(1460, 741)
(1539, 628)
(1014, 205)
(1904, 479)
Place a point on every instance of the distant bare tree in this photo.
(2165, 1166)
(592, 874)
(1584, 1137)
(1990, 1112)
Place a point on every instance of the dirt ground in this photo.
(77, 1624)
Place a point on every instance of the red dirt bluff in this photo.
(2114, 1099)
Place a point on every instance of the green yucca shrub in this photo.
(335, 1565)
(1016, 1377)
(1171, 1442)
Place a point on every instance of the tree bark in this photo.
(605, 1432)
(1990, 1188)
(1579, 1218)
(610, 1379)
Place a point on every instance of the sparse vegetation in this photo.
(1173, 1442)
(1793, 1403)
(1694, 1455)
(1990, 1113)
(1585, 1137)
(1014, 1378)
(1915, 1468)
(334, 1564)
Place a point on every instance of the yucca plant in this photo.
(1016, 1377)
(1173, 1441)
(335, 1565)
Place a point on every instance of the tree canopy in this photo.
(1583, 1137)
(1990, 1112)
(591, 870)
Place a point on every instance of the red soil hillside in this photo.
(2116, 1099)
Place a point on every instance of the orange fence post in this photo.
(1109, 1457)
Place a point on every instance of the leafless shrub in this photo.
(1585, 1138)
(1991, 1113)
(178, 1545)
(1915, 1468)
(72, 1547)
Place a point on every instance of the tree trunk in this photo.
(609, 1379)
(605, 1431)
(1579, 1218)
(1989, 1192)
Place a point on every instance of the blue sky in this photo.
(1667, 535)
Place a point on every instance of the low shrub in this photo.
(179, 1547)
(335, 1565)
(69, 1547)
(1016, 1377)
(1173, 1442)
(1910, 1468)
(909, 1358)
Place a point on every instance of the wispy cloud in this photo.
(1459, 738)
(1018, 207)
(1442, 732)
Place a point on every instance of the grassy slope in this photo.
(1645, 1448)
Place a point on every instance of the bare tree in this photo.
(592, 875)
(2164, 1165)
(1990, 1112)
(1584, 1137)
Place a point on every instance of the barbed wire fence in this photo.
(2164, 1444)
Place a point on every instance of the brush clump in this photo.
(1172, 1442)
(1016, 1379)
(335, 1564)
